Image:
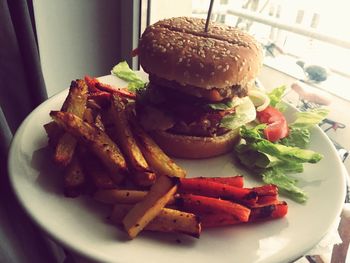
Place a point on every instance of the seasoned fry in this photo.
(168, 220)
(97, 172)
(146, 210)
(54, 133)
(65, 149)
(141, 172)
(96, 140)
(114, 196)
(99, 123)
(158, 160)
(74, 179)
(88, 115)
(75, 103)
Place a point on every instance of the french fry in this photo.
(54, 133)
(146, 210)
(122, 196)
(168, 220)
(75, 103)
(74, 179)
(99, 122)
(117, 196)
(88, 115)
(96, 140)
(141, 172)
(218, 190)
(97, 172)
(154, 155)
(207, 205)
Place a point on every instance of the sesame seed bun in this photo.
(178, 49)
(193, 147)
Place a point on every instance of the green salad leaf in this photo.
(244, 113)
(298, 137)
(276, 161)
(123, 71)
(221, 106)
(286, 184)
(276, 98)
(308, 119)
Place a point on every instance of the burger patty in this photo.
(213, 95)
(162, 108)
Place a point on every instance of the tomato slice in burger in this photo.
(277, 126)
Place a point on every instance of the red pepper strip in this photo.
(277, 127)
(268, 189)
(219, 190)
(267, 194)
(267, 200)
(102, 98)
(201, 205)
(236, 180)
(91, 83)
(215, 220)
(267, 212)
(96, 84)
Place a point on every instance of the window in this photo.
(327, 18)
(311, 31)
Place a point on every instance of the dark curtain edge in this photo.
(24, 24)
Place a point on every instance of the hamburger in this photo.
(196, 98)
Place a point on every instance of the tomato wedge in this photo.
(277, 126)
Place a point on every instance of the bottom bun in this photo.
(191, 147)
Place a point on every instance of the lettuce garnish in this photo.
(123, 71)
(276, 162)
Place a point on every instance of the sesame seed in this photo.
(201, 65)
(212, 73)
(219, 67)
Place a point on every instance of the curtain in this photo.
(22, 83)
(22, 89)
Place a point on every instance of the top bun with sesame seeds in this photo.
(178, 49)
(196, 79)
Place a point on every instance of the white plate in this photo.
(80, 224)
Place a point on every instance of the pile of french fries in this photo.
(104, 152)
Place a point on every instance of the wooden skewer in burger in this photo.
(199, 82)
